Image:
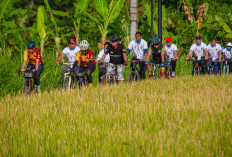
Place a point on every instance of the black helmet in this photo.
(114, 39)
(156, 41)
(31, 44)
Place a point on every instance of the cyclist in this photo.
(84, 61)
(220, 63)
(102, 69)
(71, 53)
(118, 58)
(199, 52)
(35, 62)
(227, 54)
(214, 50)
(157, 51)
(140, 50)
(171, 52)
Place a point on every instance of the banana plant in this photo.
(107, 13)
(41, 28)
(80, 7)
(226, 28)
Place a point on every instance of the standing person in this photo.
(199, 51)
(171, 52)
(85, 61)
(102, 69)
(71, 53)
(35, 62)
(118, 58)
(214, 50)
(157, 51)
(140, 50)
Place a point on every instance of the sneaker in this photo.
(173, 74)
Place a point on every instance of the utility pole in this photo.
(133, 18)
(160, 20)
(152, 12)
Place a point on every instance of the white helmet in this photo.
(229, 44)
(84, 45)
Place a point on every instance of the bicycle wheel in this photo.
(104, 79)
(26, 86)
(66, 83)
(132, 76)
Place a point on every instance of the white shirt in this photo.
(227, 53)
(199, 50)
(214, 51)
(99, 57)
(138, 48)
(170, 51)
(71, 54)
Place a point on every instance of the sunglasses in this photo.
(72, 43)
(30, 48)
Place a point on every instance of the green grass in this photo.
(185, 116)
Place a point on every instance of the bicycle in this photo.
(113, 77)
(81, 80)
(155, 71)
(168, 71)
(196, 68)
(211, 67)
(226, 67)
(69, 77)
(134, 72)
(103, 77)
(29, 84)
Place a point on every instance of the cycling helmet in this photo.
(156, 41)
(114, 39)
(229, 44)
(31, 44)
(84, 45)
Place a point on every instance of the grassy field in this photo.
(185, 116)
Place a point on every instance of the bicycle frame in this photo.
(68, 75)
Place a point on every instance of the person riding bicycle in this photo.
(171, 52)
(35, 62)
(157, 51)
(85, 62)
(140, 50)
(71, 53)
(118, 58)
(214, 51)
(199, 52)
(102, 69)
(227, 54)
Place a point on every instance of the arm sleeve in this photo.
(128, 51)
(219, 48)
(107, 51)
(64, 51)
(175, 48)
(192, 48)
(25, 55)
(145, 48)
(38, 55)
(78, 56)
(123, 49)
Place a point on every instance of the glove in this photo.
(146, 62)
(125, 63)
(102, 63)
(162, 64)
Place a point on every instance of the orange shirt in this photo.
(33, 57)
(85, 58)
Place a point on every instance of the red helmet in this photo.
(168, 39)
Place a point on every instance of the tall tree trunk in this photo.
(133, 18)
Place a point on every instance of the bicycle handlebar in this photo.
(65, 63)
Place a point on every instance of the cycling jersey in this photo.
(85, 58)
(138, 48)
(71, 54)
(33, 57)
(227, 53)
(170, 51)
(214, 51)
(156, 55)
(99, 57)
(198, 50)
(116, 55)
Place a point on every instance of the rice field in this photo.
(185, 116)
